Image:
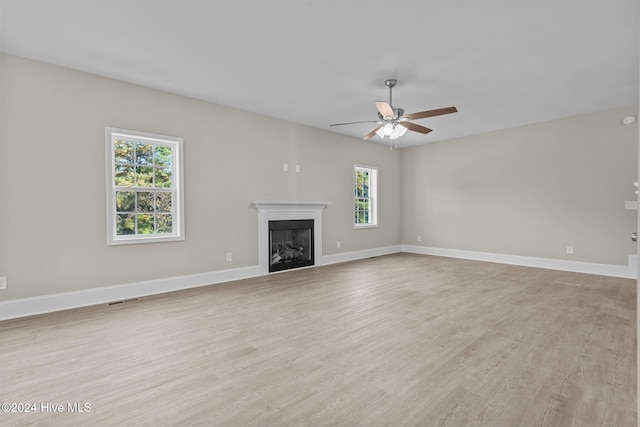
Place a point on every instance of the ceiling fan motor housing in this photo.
(398, 112)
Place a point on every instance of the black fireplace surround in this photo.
(290, 244)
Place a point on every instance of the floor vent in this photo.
(558, 282)
(123, 301)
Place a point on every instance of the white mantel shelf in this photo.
(285, 210)
(288, 205)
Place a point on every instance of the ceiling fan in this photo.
(393, 123)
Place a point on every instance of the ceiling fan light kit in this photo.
(393, 123)
(393, 132)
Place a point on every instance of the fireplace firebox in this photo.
(290, 244)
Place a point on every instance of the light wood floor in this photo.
(398, 340)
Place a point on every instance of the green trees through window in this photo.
(143, 184)
(365, 196)
(143, 181)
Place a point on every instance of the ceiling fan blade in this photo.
(385, 109)
(431, 113)
(372, 133)
(353, 123)
(414, 127)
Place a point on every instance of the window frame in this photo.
(111, 135)
(373, 196)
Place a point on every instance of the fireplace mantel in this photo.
(276, 206)
(284, 210)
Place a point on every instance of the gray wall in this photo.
(52, 175)
(527, 191)
(530, 191)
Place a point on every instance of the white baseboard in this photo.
(23, 307)
(355, 255)
(629, 271)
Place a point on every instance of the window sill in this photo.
(359, 226)
(141, 240)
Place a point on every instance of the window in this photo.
(144, 187)
(365, 191)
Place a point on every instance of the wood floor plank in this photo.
(398, 340)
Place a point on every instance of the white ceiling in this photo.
(502, 63)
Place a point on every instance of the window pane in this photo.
(164, 157)
(123, 151)
(125, 201)
(123, 175)
(362, 211)
(144, 154)
(145, 202)
(362, 217)
(365, 178)
(163, 178)
(125, 224)
(165, 223)
(145, 223)
(362, 184)
(164, 202)
(144, 176)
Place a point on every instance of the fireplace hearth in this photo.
(290, 244)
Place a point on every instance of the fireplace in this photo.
(279, 211)
(290, 244)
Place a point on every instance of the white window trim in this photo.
(373, 189)
(178, 203)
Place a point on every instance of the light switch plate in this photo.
(631, 205)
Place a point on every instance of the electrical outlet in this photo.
(570, 250)
(338, 244)
(285, 167)
(298, 168)
(229, 256)
(631, 205)
(3, 283)
(419, 238)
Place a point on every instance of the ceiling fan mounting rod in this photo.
(390, 83)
